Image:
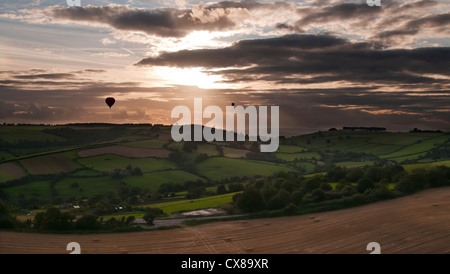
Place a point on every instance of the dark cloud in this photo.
(258, 51)
(437, 22)
(325, 57)
(289, 27)
(168, 22)
(247, 4)
(53, 76)
(340, 12)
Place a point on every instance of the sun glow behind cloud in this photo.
(196, 76)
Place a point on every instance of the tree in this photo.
(280, 200)
(364, 184)
(221, 190)
(195, 192)
(151, 214)
(130, 220)
(414, 181)
(6, 220)
(374, 173)
(137, 171)
(124, 192)
(318, 195)
(87, 222)
(235, 187)
(251, 200)
(336, 174)
(354, 175)
(53, 219)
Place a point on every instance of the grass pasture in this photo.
(290, 149)
(4, 156)
(109, 162)
(87, 186)
(221, 167)
(385, 144)
(301, 156)
(13, 134)
(234, 152)
(154, 180)
(418, 148)
(38, 189)
(409, 167)
(307, 166)
(125, 151)
(200, 203)
(354, 164)
(208, 149)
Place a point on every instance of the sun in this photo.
(195, 76)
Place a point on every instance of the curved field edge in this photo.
(411, 224)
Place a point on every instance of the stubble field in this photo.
(413, 224)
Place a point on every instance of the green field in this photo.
(375, 143)
(410, 167)
(154, 180)
(208, 149)
(39, 189)
(300, 156)
(317, 152)
(221, 167)
(290, 149)
(354, 164)
(13, 134)
(85, 173)
(109, 162)
(307, 166)
(4, 156)
(87, 186)
(416, 149)
(200, 203)
(234, 152)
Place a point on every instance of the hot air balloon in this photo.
(110, 101)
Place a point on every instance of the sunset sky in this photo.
(325, 63)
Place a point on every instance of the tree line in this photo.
(288, 193)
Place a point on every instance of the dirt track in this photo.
(414, 224)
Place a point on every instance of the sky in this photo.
(325, 63)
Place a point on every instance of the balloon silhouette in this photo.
(110, 101)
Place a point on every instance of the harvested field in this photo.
(126, 151)
(50, 164)
(414, 224)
